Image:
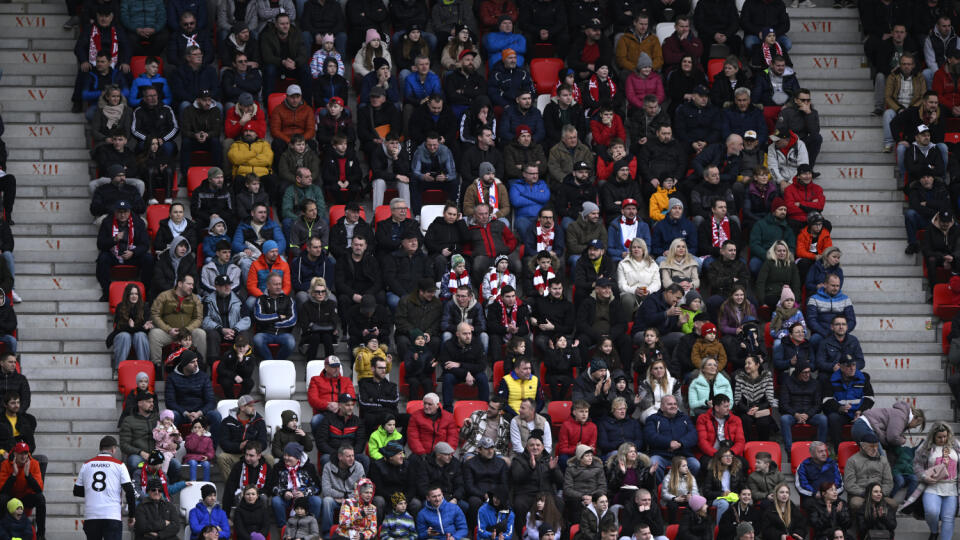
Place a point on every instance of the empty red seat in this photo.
(155, 214)
(195, 177)
(544, 72)
(944, 303)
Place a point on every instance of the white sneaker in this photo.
(15, 296)
(152, 202)
(168, 200)
(807, 4)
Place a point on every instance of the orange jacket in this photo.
(21, 484)
(260, 270)
(803, 243)
(285, 122)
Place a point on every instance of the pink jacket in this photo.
(199, 447)
(638, 88)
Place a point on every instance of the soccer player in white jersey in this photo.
(103, 482)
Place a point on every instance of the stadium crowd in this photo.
(606, 246)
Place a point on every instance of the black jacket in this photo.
(248, 518)
(422, 122)
(441, 234)
(233, 84)
(336, 431)
(917, 163)
(755, 15)
(937, 199)
(389, 234)
(585, 276)
(326, 18)
(26, 427)
(560, 312)
(165, 277)
(733, 516)
(232, 433)
(716, 16)
(482, 475)
(368, 119)
(105, 241)
(495, 325)
(158, 121)
(390, 478)
(16, 382)
(401, 271)
(586, 315)
(462, 89)
(568, 197)
(722, 275)
(471, 358)
(165, 236)
(468, 166)
(338, 238)
(160, 517)
(358, 277)
(554, 118)
(428, 472)
(705, 238)
(530, 481)
(378, 397)
(230, 495)
(631, 516)
(207, 201)
(614, 190)
(662, 160)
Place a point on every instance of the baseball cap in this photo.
(222, 279)
(345, 397)
(336, 99)
(245, 400)
(604, 282)
(750, 134)
(294, 90)
(701, 90)
(595, 243)
(628, 202)
(332, 360)
(581, 166)
(922, 128)
(205, 93)
(122, 204)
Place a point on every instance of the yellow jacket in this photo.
(255, 157)
(518, 390)
(659, 201)
(363, 360)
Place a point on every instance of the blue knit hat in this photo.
(269, 246)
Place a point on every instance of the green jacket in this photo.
(581, 232)
(289, 162)
(379, 439)
(413, 313)
(295, 195)
(773, 276)
(136, 433)
(765, 232)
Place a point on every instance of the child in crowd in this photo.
(516, 349)
(678, 486)
(398, 524)
(251, 194)
(785, 316)
(183, 343)
(764, 478)
(660, 200)
(608, 353)
(216, 232)
(650, 350)
(708, 345)
(200, 449)
(560, 360)
(363, 356)
(325, 51)
(302, 525)
(420, 365)
(495, 278)
(167, 437)
(456, 277)
(691, 307)
(290, 432)
(16, 524)
(385, 434)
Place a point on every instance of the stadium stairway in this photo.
(61, 324)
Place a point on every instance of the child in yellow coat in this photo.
(363, 356)
(660, 200)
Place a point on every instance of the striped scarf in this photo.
(458, 280)
(540, 280)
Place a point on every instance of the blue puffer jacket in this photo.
(495, 42)
(739, 122)
(92, 89)
(660, 430)
(143, 81)
(185, 393)
(611, 433)
(822, 308)
(143, 14)
(527, 200)
(201, 516)
(810, 475)
(488, 516)
(447, 519)
(667, 229)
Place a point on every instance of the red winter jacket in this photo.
(231, 124)
(423, 432)
(325, 389)
(707, 433)
(797, 192)
(602, 134)
(573, 433)
(946, 87)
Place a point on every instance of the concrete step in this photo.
(875, 272)
(58, 210)
(825, 47)
(73, 402)
(860, 196)
(852, 82)
(854, 161)
(872, 233)
(874, 252)
(41, 346)
(36, 96)
(34, 25)
(43, 132)
(36, 62)
(49, 41)
(824, 11)
(39, 373)
(859, 286)
(811, 65)
(893, 304)
(31, 8)
(51, 172)
(911, 388)
(867, 214)
(71, 361)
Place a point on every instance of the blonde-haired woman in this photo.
(782, 519)
(680, 266)
(935, 464)
(657, 384)
(637, 276)
(778, 269)
(318, 320)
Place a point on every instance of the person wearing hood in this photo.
(225, 319)
(495, 519)
(21, 478)
(208, 512)
(768, 231)
(358, 515)
(175, 261)
(294, 478)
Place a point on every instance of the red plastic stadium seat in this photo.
(844, 451)
(544, 72)
(195, 177)
(714, 68)
(381, 213)
(337, 211)
(952, 138)
(672, 531)
(116, 293)
(137, 65)
(127, 374)
(463, 409)
(559, 411)
(414, 405)
(155, 214)
(273, 100)
(497, 373)
(753, 448)
(798, 452)
(943, 305)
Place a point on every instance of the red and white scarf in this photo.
(540, 280)
(456, 280)
(720, 231)
(191, 40)
(496, 279)
(594, 88)
(293, 477)
(492, 199)
(769, 51)
(116, 230)
(261, 476)
(506, 319)
(628, 230)
(545, 238)
(144, 477)
(94, 46)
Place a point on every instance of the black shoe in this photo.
(877, 112)
(837, 4)
(816, 175)
(911, 249)
(10, 221)
(104, 298)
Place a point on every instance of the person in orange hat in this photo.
(20, 477)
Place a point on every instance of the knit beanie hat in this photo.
(13, 504)
(214, 172)
(372, 34)
(777, 203)
(165, 414)
(379, 62)
(674, 202)
(269, 246)
(644, 61)
(786, 294)
(456, 259)
(697, 502)
(486, 168)
(708, 328)
(589, 207)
